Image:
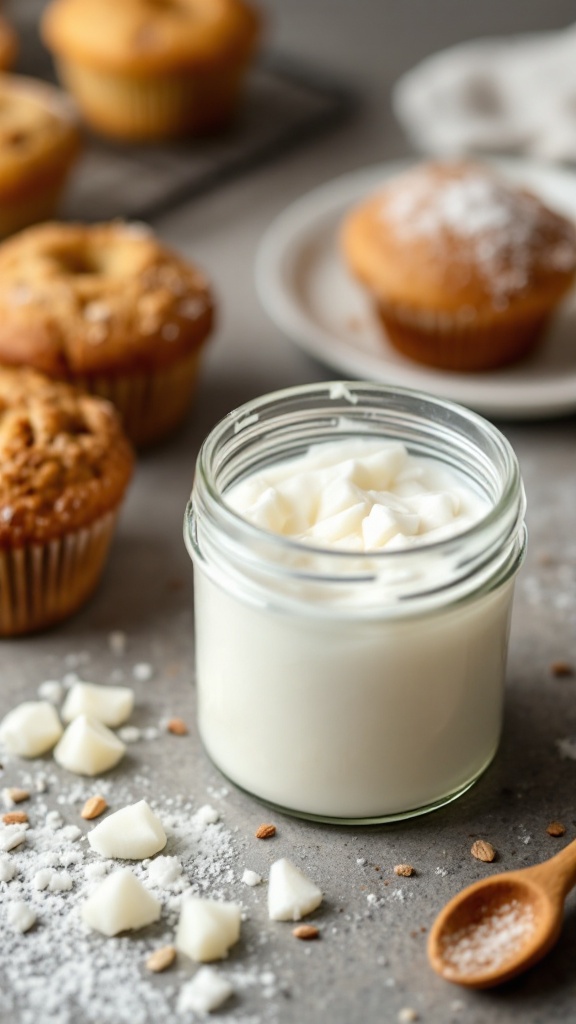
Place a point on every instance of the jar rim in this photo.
(243, 416)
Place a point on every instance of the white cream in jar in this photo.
(354, 566)
(358, 495)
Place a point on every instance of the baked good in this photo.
(152, 69)
(107, 307)
(39, 143)
(8, 44)
(64, 467)
(464, 267)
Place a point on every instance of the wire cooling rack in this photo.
(286, 104)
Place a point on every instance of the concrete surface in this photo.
(370, 962)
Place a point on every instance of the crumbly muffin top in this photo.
(461, 232)
(64, 460)
(151, 35)
(36, 120)
(82, 299)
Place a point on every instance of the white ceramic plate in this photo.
(306, 289)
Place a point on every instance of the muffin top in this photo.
(64, 460)
(134, 36)
(36, 120)
(456, 235)
(81, 299)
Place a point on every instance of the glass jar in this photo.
(341, 686)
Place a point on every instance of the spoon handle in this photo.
(558, 875)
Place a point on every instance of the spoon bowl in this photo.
(501, 926)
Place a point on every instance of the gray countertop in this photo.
(371, 961)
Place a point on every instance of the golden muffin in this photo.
(464, 268)
(39, 143)
(107, 307)
(152, 69)
(64, 467)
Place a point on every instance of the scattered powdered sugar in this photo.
(117, 642)
(143, 671)
(51, 690)
(59, 971)
(567, 748)
(206, 815)
(164, 872)
(130, 734)
(503, 228)
(489, 941)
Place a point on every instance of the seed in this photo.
(15, 818)
(17, 796)
(161, 958)
(556, 828)
(404, 869)
(94, 807)
(305, 932)
(483, 850)
(561, 668)
(177, 726)
(265, 831)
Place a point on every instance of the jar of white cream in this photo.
(355, 548)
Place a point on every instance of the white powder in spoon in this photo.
(487, 943)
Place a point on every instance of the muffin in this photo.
(64, 467)
(8, 44)
(152, 69)
(110, 309)
(39, 143)
(464, 268)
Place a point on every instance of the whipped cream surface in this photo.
(359, 495)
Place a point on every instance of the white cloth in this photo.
(506, 95)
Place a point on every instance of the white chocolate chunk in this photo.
(53, 881)
(383, 523)
(20, 916)
(30, 729)
(207, 929)
(7, 869)
(12, 836)
(206, 992)
(251, 877)
(132, 833)
(88, 747)
(120, 903)
(291, 894)
(111, 705)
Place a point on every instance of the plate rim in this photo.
(299, 221)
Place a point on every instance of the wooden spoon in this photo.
(501, 926)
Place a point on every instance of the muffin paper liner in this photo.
(37, 203)
(454, 343)
(154, 107)
(41, 584)
(151, 404)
